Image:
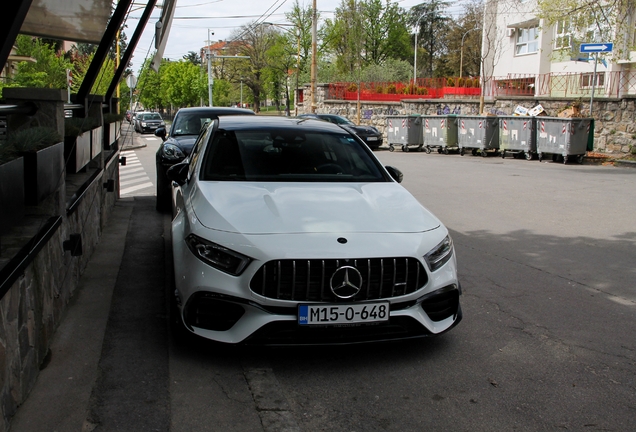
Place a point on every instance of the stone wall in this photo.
(614, 132)
(35, 303)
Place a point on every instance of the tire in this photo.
(445, 150)
(503, 154)
(565, 159)
(484, 153)
(540, 156)
(461, 151)
(405, 148)
(427, 150)
(419, 149)
(474, 152)
(391, 148)
(528, 156)
(579, 159)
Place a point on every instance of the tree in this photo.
(49, 69)
(193, 57)
(467, 29)
(80, 66)
(182, 83)
(252, 40)
(149, 91)
(431, 22)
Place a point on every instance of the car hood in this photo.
(184, 142)
(276, 208)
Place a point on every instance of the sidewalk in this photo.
(60, 399)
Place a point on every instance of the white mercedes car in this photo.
(290, 231)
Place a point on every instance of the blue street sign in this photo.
(597, 47)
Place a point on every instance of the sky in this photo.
(193, 19)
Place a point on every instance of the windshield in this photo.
(189, 124)
(288, 155)
(337, 119)
(152, 116)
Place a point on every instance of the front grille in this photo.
(309, 280)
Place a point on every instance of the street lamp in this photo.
(461, 51)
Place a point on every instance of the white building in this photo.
(523, 55)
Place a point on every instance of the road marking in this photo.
(133, 178)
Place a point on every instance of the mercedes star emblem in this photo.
(346, 282)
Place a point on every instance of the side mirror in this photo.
(178, 173)
(161, 132)
(395, 173)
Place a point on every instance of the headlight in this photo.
(172, 152)
(440, 254)
(217, 256)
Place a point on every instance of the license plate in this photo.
(372, 138)
(343, 314)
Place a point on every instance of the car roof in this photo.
(217, 111)
(260, 122)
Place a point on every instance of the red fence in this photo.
(569, 85)
(424, 88)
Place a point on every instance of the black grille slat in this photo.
(308, 280)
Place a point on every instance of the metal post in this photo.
(417, 30)
(210, 78)
(241, 92)
(593, 83)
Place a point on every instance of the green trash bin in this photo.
(440, 132)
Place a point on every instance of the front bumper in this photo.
(235, 320)
(223, 308)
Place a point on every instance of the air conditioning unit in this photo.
(510, 32)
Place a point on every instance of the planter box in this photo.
(111, 134)
(97, 140)
(43, 171)
(462, 91)
(77, 152)
(11, 194)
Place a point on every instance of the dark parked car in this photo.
(177, 144)
(148, 122)
(370, 135)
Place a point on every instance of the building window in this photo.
(587, 78)
(563, 35)
(527, 42)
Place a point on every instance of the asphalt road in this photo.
(546, 255)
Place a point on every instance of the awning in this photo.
(72, 20)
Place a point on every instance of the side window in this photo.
(196, 149)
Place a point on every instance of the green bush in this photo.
(75, 126)
(33, 139)
(113, 118)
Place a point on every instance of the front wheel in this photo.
(445, 150)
